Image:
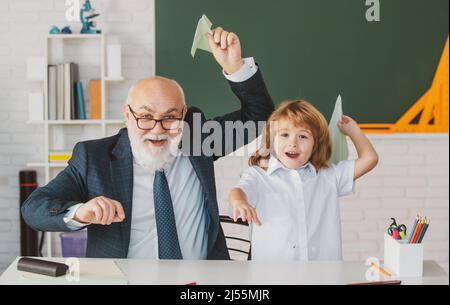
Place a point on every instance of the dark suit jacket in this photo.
(105, 168)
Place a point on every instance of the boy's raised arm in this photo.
(367, 156)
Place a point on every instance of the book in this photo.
(95, 99)
(59, 156)
(67, 92)
(52, 92)
(80, 101)
(60, 92)
(75, 115)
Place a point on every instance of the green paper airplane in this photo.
(200, 40)
(339, 147)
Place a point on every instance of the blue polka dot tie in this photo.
(168, 244)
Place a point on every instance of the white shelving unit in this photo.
(54, 44)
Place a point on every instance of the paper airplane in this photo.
(200, 40)
(339, 148)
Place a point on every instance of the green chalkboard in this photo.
(311, 49)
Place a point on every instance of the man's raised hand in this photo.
(226, 49)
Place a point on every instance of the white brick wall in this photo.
(412, 177)
(22, 30)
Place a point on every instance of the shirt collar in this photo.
(274, 164)
(307, 170)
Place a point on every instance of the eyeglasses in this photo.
(150, 123)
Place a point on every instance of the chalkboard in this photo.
(311, 49)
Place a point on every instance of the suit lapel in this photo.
(122, 175)
(206, 178)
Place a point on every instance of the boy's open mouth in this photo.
(292, 155)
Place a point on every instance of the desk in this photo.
(147, 272)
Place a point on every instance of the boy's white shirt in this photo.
(299, 210)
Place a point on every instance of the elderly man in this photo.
(140, 194)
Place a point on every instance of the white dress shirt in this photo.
(298, 209)
(191, 216)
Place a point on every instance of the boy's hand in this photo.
(226, 49)
(245, 211)
(348, 126)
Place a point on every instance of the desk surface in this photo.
(145, 272)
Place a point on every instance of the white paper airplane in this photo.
(200, 40)
(339, 147)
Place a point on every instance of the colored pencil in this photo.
(381, 269)
(411, 234)
(423, 232)
(418, 230)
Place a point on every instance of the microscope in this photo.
(88, 23)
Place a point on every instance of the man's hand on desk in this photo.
(100, 210)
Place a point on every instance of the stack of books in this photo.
(65, 94)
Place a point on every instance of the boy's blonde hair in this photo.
(299, 113)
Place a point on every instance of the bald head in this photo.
(156, 91)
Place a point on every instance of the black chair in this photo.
(239, 222)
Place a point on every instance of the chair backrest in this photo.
(239, 222)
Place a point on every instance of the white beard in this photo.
(154, 158)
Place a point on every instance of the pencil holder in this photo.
(402, 258)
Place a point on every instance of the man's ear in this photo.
(186, 109)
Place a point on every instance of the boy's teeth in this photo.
(292, 155)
